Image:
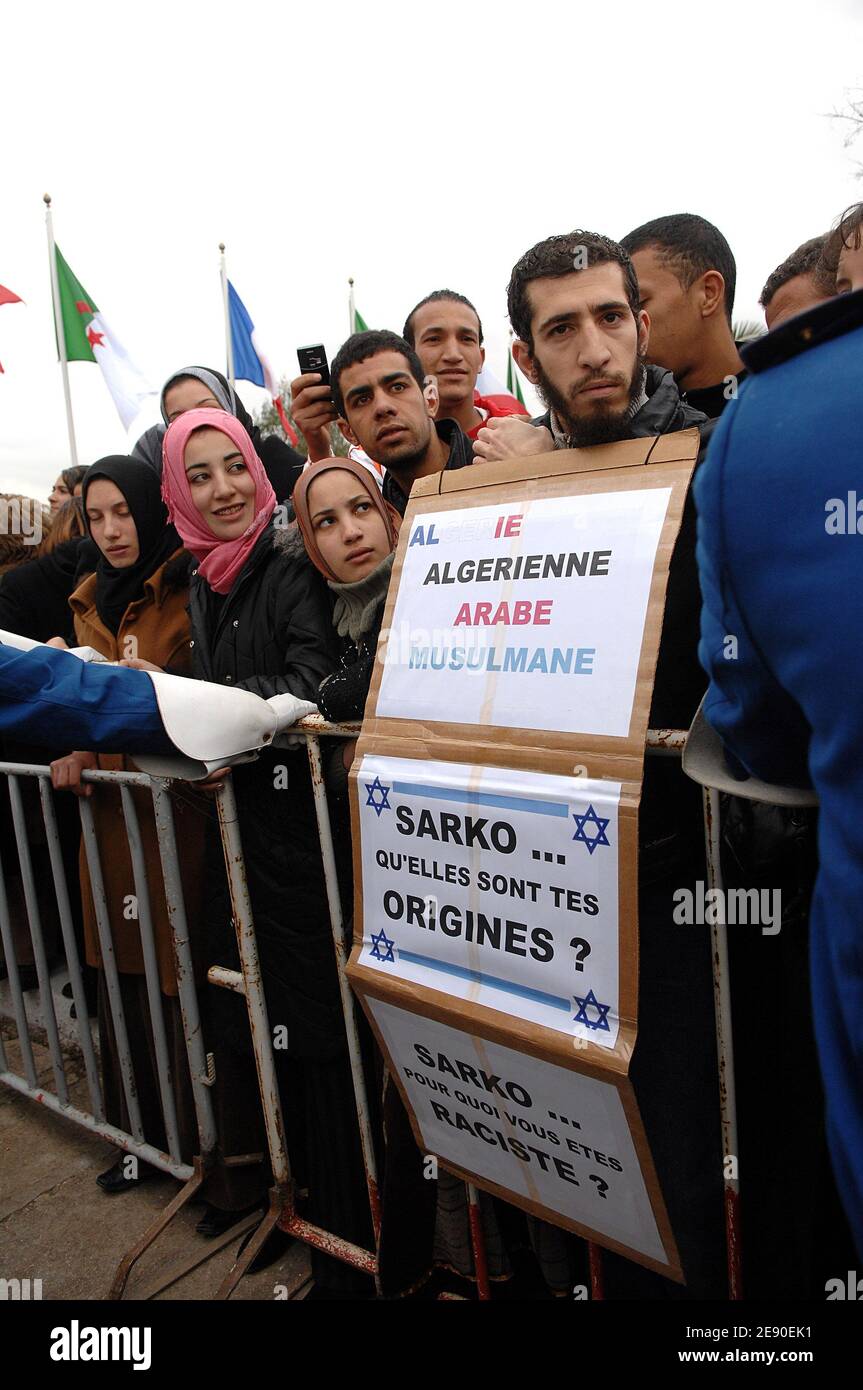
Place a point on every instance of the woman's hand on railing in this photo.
(211, 784)
(66, 773)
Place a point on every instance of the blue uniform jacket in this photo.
(48, 696)
(781, 567)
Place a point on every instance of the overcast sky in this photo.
(410, 146)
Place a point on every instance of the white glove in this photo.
(288, 709)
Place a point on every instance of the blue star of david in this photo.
(375, 787)
(590, 1001)
(382, 947)
(601, 823)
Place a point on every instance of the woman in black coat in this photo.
(262, 622)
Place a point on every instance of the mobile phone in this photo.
(314, 359)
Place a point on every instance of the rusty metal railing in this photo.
(27, 1082)
(247, 981)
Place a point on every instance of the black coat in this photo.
(34, 596)
(670, 832)
(460, 456)
(273, 633)
(282, 464)
(342, 698)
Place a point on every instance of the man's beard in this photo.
(412, 456)
(603, 425)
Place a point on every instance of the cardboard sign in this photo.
(530, 614)
(556, 1143)
(485, 664)
(497, 887)
(494, 807)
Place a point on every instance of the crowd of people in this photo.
(224, 556)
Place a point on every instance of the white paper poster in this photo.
(525, 614)
(551, 1136)
(495, 886)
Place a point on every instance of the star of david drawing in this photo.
(382, 948)
(590, 1001)
(591, 818)
(375, 789)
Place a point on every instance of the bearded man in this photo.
(581, 338)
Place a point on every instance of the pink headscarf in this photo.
(220, 562)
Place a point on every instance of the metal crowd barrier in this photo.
(660, 742)
(58, 1100)
(247, 981)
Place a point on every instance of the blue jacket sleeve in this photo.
(48, 696)
(757, 720)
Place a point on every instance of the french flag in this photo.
(250, 364)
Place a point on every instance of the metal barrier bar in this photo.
(151, 973)
(186, 991)
(15, 987)
(670, 741)
(325, 835)
(477, 1240)
(226, 979)
(37, 940)
(597, 1272)
(724, 1046)
(262, 1039)
(141, 1149)
(70, 947)
(109, 968)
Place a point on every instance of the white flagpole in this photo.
(351, 307)
(229, 347)
(60, 330)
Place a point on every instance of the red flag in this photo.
(285, 422)
(8, 297)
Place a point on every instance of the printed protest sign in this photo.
(527, 614)
(494, 807)
(557, 1143)
(496, 886)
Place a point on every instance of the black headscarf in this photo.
(149, 448)
(282, 464)
(157, 541)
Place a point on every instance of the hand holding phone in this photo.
(311, 401)
(314, 359)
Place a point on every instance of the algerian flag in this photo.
(360, 325)
(88, 338)
(513, 385)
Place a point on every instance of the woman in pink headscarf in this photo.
(261, 620)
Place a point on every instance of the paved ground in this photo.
(58, 1226)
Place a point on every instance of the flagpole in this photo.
(60, 329)
(229, 346)
(351, 307)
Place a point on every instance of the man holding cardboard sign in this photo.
(582, 338)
